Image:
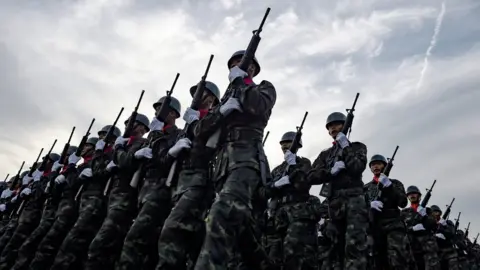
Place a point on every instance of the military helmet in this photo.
(10, 180)
(71, 149)
(54, 157)
(289, 137)
(413, 189)
(92, 140)
(23, 174)
(435, 208)
(378, 157)
(335, 117)
(211, 87)
(240, 54)
(142, 119)
(174, 104)
(105, 129)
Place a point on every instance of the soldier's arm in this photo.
(396, 191)
(355, 158)
(298, 174)
(429, 222)
(319, 173)
(162, 160)
(125, 158)
(258, 99)
(206, 126)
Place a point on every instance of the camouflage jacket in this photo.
(411, 218)
(298, 178)
(124, 157)
(96, 184)
(392, 197)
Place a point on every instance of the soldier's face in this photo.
(376, 167)
(102, 135)
(251, 68)
(139, 129)
(414, 198)
(207, 101)
(334, 129)
(285, 146)
(87, 149)
(436, 215)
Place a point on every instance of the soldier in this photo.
(73, 251)
(387, 227)
(27, 250)
(11, 203)
(296, 212)
(445, 234)
(240, 166)
(65, 189)
(347, 207)
(182, 235)
(33, 196)
(420, 227)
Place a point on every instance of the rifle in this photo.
(475, 241)
(247, 59)
(467, 230)
(161, 115)
(6, 177)
(425, 200)
(65, 148)
(84, 140)
(447, 212)
(386, 171)
(347, 129)
(195, 105)
(457, 221)
(296, 141)
(17, 177)
(35, 164)
(265, 139)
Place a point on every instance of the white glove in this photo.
(319, 234)
(100, 145)
(14, 199)
(56, 166)
(86, 173)
(73, 159)
(2, 207)
(418, 227)
(110, 166)
(231, 105)
(26, 191)
(60, 179)
(26, 179)
(236, 72)
(156, 124)
(443, 222)
(422, 211)
(321, 222)
(181, 144)
(377, 205)
(6, 193)
(440, 235)
(342, 140)
(191, 115)
(290, 158)
(285, 180)
(385, 180)
(37, 175)
(337, 167)
(144, 153)
(121, 141)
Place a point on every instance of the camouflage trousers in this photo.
(425, 251)
(27, 223)
(73, 251)
(8, 231)
(229, 225)
(349, 219)
(65, 218)
(27, 250)
(107, 244)
(449, 258)
(390, 249)
(184, 230)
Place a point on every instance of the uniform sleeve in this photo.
(429, 223)
(258, 99)
(298, 174)
(124, 157)
(319, 173)
(355, 158)
(206, 126)
(161, 159)
(396, 192)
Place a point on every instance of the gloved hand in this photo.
(100, 145)
(418, 227)
(37, 175)
(319, 234)
(337, 167)
(191, 115)
(120, 141)
(422, 211)
(26, 191)
(236, 72)
(6, 193)
(290, 158)
(181, 144)
(26, 179)
(443, 222)
(156, 124)
(144, 153)
(86, 173)
(231, 105)
(385, 180)
(342, 140)
(2, 207)
(56, 166)
(377, 205)
(110, 166)
(14, 199)
(285, 180)
(440, 235)
(73, 159)
(60, 179)
(321, 222)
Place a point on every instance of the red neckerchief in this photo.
(375, 179)
(87, 159)
(165, 128)
(108, 149)
(203, 113)
(131, 139)
(334, 142)
(248, 80)
(414, 206)
(47, 171)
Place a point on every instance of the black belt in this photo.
(292, 199)
(244, 135)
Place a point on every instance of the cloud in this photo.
(63, 63)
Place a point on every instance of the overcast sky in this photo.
(415, 64)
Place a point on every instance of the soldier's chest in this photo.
(371, 192)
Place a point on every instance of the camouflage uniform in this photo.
(155, 203)
(387, 227)
(240, 169)
(107, 244)
(65, 216)
(9, 229)
(423, 243)
(348, 212)
(447, 253)
(73, 251)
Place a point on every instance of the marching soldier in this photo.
(445, 234)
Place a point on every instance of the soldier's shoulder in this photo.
(359, 145)
(396, 182)
(304, 160)
(369, 184)
(266, 84)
